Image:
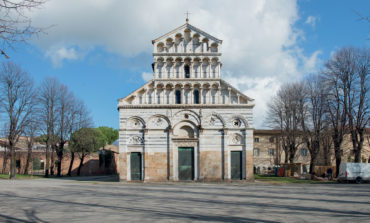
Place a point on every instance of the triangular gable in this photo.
(135, 91)
(192, 28)
(236, 90)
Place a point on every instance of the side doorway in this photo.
(186, 163)
(236, 165)
(136, 167)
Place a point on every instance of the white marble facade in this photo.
(186, 104)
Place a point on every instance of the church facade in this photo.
(186, 123)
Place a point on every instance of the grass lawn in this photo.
(20, 176)
(286, 180)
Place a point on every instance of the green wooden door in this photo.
(236, 165)
(186, 163)
(135, 166)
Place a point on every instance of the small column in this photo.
(191, 72)
(182, 91)
(155, 99)
(229, 95)
(155, 70)
(200, 69)
(172, 96)
(219, 99)
(238, 98)
(182, 73)
(219, 70)
(163, 95)
(200, 95)
(191, 93)
(145, 100)
(209, 70)
(172, 70)
(163, 70)
(206, 96)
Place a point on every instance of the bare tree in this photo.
(347, 77)
(65, 112)
(48, 108)
(15, 25)
(80, 118)
(17, 100)
(358, 85)
(31, 131)
(284, 113)
(327, 144)
(334, 76)
(313, 124)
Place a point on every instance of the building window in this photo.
(187, 71)
(196, 97)
(271, 139)
(304, 152)
(256, 139)
(256, 152)
(178, 97)
(18, 163)
(272, 152)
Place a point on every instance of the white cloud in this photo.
(147, 76)
(58, 54)
(311, 20)
(261, 90)
(260, 40)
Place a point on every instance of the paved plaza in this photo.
(59, 200)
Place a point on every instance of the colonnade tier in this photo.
(189, 39)
(188, 93)
(186, 58)
(170, 68)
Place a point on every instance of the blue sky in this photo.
(102, 49)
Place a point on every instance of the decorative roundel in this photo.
(236, 123)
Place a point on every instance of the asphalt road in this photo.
(56, 200)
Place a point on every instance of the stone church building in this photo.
(186, 123)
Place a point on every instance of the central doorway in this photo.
(186, 163)
(135, 166)
(236, 165)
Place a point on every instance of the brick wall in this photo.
(91, 163)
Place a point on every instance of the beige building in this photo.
(186, 123)
(268, 152)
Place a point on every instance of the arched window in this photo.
(187, 71)
(196, 97)
(178, 97)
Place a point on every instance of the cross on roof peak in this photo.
(187, 16)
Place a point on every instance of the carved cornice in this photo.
(166, 54)
(185, 106)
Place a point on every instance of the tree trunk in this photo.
(81, 164)
(71, 164)
(59, 167)
(359, 145)
(12, 161)
(60, 158)
(286, 156)
(29, 158)
(5, 160)
(338, 157)
(325, 149)
(291, 154)
(47, 156)
(312, 164)
(52, 160)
